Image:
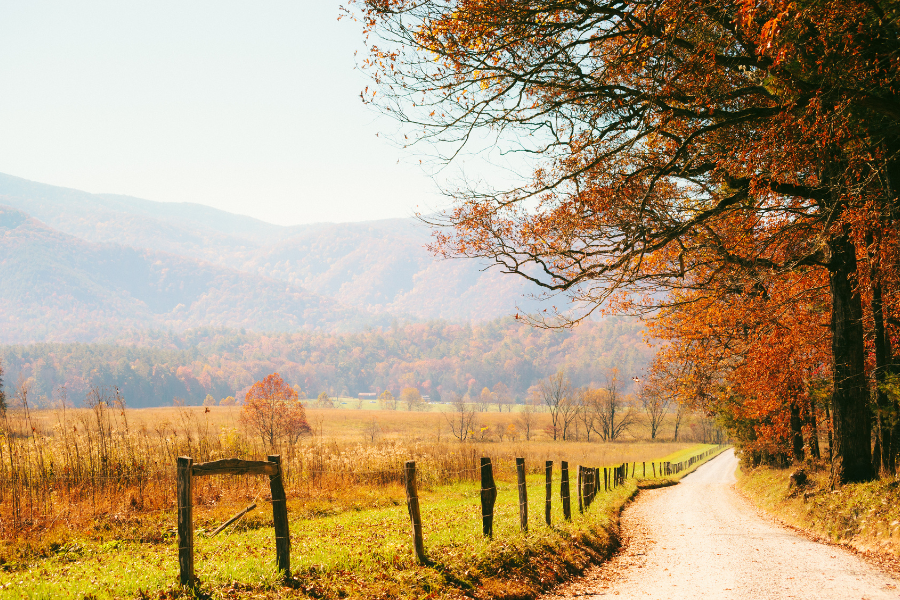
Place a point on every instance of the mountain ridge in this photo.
(57, 287)
(373, 266)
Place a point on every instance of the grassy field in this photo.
(338, 550)
(87, 504)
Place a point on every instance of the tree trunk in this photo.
(885, 429)
(812, 426)
(796, 433)
(851, 416)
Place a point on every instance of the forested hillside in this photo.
(439, 358)
(56, 287)
(377, 266)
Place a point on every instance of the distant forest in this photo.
(437, 357)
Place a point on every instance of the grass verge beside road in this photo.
(863, 516)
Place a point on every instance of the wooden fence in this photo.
(187, 470)
(587, 487)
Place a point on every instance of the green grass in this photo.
(355, 553)
(686, 453)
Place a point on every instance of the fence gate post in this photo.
(279, 518)
(564, 490)
(488, 497)
(523, 494)
(412, 503)
(185, 521)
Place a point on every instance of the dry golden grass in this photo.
(69, 468)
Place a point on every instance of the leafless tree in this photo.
(614, 414)
(655, 404)
(526, 419)
(461, 418)
(483, 400)
(556, 394)
(372, 430)
(588, 401)
(680, 413)
(502, 397)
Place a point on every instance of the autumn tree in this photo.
(228, 401)
(209, 400)
(665, 135)
(272, 411)
(756, 360)
(411, 397)
(323, 400)
(387, 401)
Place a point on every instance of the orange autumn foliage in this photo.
(273, 411)
(676, 143)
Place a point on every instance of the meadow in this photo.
(87, 504)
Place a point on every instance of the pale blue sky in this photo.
(252, 107)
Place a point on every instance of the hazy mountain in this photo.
(57, 287)
(376, 265)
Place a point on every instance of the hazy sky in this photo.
(252, 107)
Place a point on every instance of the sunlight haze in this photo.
(252, 109)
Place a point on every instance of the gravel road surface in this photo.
(701, 540)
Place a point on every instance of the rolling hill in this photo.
(57, 287)
(377, 266)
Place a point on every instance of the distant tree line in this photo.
(490, 364)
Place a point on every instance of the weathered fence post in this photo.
(412, 503)
(185, 521)
(645, 470)
(588, 487)
(580, 486)
(653, 464)
(596, 481)
(523, 494)
(564, 490)
(280, 518)
(488, 497)
(605, 480)
(548, 470)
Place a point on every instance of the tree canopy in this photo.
(684, 145)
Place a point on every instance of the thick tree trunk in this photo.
(812, 428)
(885, 426)
(797, 433)
(851, 416)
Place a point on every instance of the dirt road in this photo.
(700, 540)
